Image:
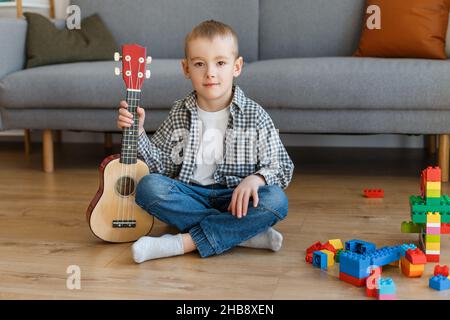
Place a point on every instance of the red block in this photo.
(352, 280)
(445, 228)
(374, 193)
(309, 258)
(442, 270)
(372, 292)
(433, 174)
(328, 246)
(433, 257)
(416, 256)
(315, 247)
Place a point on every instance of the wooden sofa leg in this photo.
(47, 151)
(27, 141)
(443, 160)
(431, 143)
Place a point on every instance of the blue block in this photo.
(360, 246)
(320, 260)
(354, 264)
(385, 256)
(386, 286)
(405, 247)
(439, 283)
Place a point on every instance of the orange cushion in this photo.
(409, 29)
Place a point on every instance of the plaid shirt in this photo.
(251, 144)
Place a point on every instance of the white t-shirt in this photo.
(212, 128)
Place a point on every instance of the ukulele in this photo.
(113, 215)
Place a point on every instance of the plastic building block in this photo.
(372, 292)
(411, 270)
(360, 246)
(358, 282)
(433, 217)
(410, 227)
(374, 193)
(309, 258)
(320, 260)
(433, 230)
(330, 257)
(432, 174)
(405, 247)
(386, 286)
(315, 247)
(385, 255)
(432, 238)
(416, 256)
(336, 243)
(439, 283)
(354, 264)
(432, 257)
(338, 253)
(329, 247)
(445, 228)
(372, 282)
(441, 270)
(434, 246)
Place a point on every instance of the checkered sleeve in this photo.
(274, 163)
(156, 151)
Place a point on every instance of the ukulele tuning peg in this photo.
(149, 60)
(117, 71)
(117, 56)
(147, 74)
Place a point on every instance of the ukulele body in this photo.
(113, 214)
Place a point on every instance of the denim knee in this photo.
(273, 198)
(152, 188)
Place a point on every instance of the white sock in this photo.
(147, 248)
(269, 239)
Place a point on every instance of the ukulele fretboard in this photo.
(128, 154)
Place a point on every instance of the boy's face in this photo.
(211, 65)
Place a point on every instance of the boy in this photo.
(217, 165)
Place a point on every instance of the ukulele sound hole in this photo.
(125, 186)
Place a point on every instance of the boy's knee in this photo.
(274, 198)
(152, 187)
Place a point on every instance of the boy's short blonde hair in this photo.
(210, 29)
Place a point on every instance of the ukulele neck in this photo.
(128, 154)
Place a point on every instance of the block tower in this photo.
(430, 213)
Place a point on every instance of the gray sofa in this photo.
(298, 66)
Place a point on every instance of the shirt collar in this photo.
(238, 100)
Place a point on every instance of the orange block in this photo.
(411, 270)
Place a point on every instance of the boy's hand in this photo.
(126, 118)
(241, 195)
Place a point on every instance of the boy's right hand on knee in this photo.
(125, 119)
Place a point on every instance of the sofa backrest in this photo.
(161, 25)
(309, 28)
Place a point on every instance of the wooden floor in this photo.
(43, 231)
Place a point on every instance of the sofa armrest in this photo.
(13, 33)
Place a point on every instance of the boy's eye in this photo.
(198, 64)
(221, 63)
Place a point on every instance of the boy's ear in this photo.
(185, 67)
(238, 63)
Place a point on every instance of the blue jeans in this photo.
(202, 211)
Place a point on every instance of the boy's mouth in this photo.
(209, 85)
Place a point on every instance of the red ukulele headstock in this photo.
(134, 58)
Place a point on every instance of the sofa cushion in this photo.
(408, 29)
(349, 83)
(161, 25)
(90, 85)
(47, 44)
(309, 28)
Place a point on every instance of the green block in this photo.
(432, 238)
(433, 201)
(419, 217)
(410, 227)
(338, 253)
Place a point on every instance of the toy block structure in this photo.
(430, 214)
(373, 193)
(372, 282)
(356, 262)
(330, 249)
(441, 270)
(439, 283)
(386, 289)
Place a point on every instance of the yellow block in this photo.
(431, 193)
(434, 185)
(336, 243)
(433, 246)
(433, 217)
(330, 257)
(412, 267)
